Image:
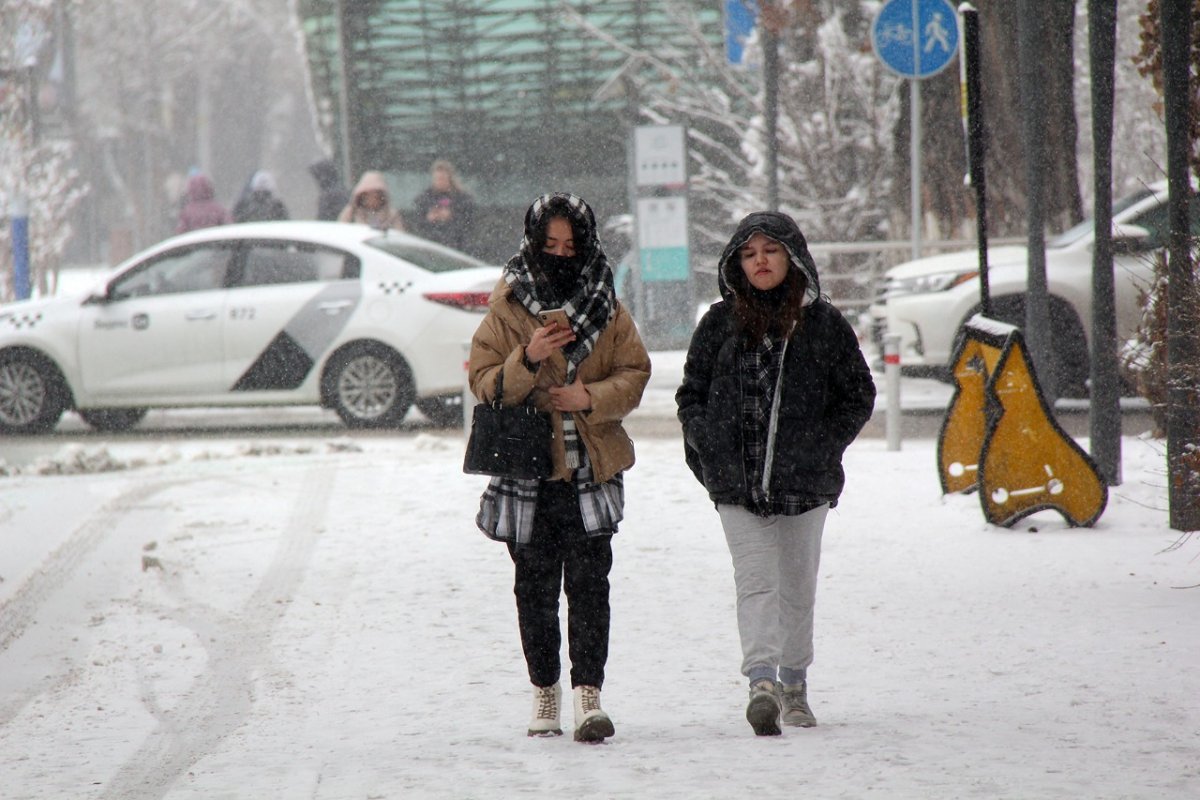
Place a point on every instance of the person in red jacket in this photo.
(200, 209)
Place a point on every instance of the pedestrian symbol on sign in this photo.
(935, 33)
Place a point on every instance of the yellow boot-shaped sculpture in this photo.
(999, 436)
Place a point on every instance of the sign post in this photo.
(915, 39)
(664, 275)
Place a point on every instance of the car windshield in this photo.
(434, 259)
(1077, 232)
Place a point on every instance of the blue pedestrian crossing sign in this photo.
(915, 38)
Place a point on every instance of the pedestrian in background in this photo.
(445, 211)
(260, 203)
(774, 389)
(370, 204)
(332, 196)
(200, 208)
(587, 375)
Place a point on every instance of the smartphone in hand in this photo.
(558, 315)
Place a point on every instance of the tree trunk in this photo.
(943, 152)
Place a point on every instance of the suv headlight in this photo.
(926, 284)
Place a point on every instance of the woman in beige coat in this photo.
(370, 204)
(587, 374)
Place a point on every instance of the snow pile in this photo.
(77, 459)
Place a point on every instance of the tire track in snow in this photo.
(238, 648)
(23, 608)
(20, 610)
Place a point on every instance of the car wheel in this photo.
(1070, 359)
(1070, 362)
(445, 411)
(112, 419)
(32, 397)
(369, 387)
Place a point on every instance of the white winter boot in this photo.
(591, 723)
(547, 711)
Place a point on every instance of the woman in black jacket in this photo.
(774, 389)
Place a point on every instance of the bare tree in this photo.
(171, 85)
(34, 166)
(837, 108)
(943, 163)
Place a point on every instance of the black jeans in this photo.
(559, 555)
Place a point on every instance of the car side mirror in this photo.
(1128, 239)
(102, 295)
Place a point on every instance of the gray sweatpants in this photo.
(775, 562)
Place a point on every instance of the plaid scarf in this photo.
(589, 310)
(507, 506)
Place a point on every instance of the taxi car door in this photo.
(157, 333)
(289, 303)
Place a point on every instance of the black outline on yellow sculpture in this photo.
(999, 436)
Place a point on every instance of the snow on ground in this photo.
(227, 620)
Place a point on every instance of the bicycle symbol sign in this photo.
(915, 42)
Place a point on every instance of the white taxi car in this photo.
(362, 321)
(928, 300)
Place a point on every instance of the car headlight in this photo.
(927, 284)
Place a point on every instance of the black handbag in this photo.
(508, 441)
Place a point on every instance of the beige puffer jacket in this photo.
(615, 374)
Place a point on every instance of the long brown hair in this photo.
(759, 313)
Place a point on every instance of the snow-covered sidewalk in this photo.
(232, 620)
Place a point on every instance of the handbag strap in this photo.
(499, 396)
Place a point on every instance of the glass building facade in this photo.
(507, 90)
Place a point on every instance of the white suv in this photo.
(927, 301)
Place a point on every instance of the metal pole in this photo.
(891, 374)
(976, 144)
(632, 111)
(1037, 303)
(771, 110)
(20, 247)
(914, 150)
(343, 41)
(1105, 418)
(468, 398)
(914, 164)
(1183, 352)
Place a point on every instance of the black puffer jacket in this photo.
(826, 395)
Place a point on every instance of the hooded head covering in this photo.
(588, 299)
(200, 188)
(372, 182)
(782, 229)
(262, 181)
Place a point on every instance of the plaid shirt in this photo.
(507, 506)
(760, 367)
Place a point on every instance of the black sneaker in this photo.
(762, 712)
